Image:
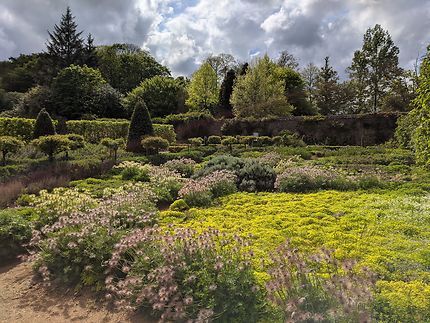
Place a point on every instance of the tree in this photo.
(287, 60)
(44, 125)
(221, 64)
(125, 66)
(327, 89)
(33, 101)
(227, 90)
(310, 76)
(9, 99)
(260, 92)
(140, 126)
(421, 114)
(162, 95)
(81, 90)
(9, 144)
(377, 64)
(358, 74)
(90, 53)
(295, 92)
(52, 145)
(244, 69)
(65, 45)
(401, 93)
(203, 90)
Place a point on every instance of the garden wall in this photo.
(366, 129)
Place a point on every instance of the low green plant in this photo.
(153, 145)
(9, 145)
(179, 205)
(52, 145)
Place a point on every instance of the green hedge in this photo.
(17, 127)
(92, 130)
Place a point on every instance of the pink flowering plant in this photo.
(183, 275)
(340, 292)
(75, 248)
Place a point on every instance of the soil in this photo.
(24, 299)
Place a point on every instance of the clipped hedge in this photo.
(92, 130)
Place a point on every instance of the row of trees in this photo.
(75, 79)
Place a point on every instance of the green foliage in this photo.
(52, 145)
(140, 126)
(9, 145)
(153, 145)
(260, 92)
(9, 99)
(203, 90)
(196, 142)
(179, 205)
(33, 101)
(405, 132)
(125, 66)
(44, 126)
(17, 127)
(162, 96)
(113, 145)
(174, 119)
(81, 90)
(327, 90)
(291, 139)
(422, 114)
(227, 90)
(15, 231)
(214, 140)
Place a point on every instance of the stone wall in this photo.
(366, 129)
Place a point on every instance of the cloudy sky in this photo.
(182, 33)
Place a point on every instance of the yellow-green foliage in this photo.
(387, 231)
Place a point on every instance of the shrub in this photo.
(179, 205)
(113, 145)
(153, 145)
(165, 131)
(17, 127)
(185, 276)
(229, 142)
(406, 128)
(196, 142)
(340, 295)
(44, 125)
(184, 166)
(140, 126)
(76, 248)
(196, 193)
(263, 141)
(134, 171)
(291, 139)
(9, 145)
(214, 140)
(15, 231)
(256, 177)
(52, 145)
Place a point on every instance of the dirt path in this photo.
(22, 300)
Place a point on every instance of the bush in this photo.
(291, 139)
(140, 126)
(15, 231)
(52, 145)
(263, 141)
(214, 140)
(196, 142)
(153, 145)
(175, 119)
(184, 166)
(165, 131)
(134, 171)
(406, 128)
(79, 245)
(179, 205)
(113, 145)
(229, 142)
(256, 177)
(44, 125)
(185, 275)
(17, 127)
(9, 145)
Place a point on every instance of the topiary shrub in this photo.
(263, 141)
(140, 126)
(52, 145)
(196, 142)
(229, 142)
(44, 125)
(9, 145)
(112, 145)
(153, 145)
(214, 140)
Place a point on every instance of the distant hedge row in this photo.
(92, 130)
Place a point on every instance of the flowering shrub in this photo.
(60, 202)
(303, 295)
(131, 170)
(199, 192)
(184, 166)
(76, 247)
(184, 275)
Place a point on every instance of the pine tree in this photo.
(227, 90)
(327, 89)
(244, 69)
(44, 125)
(140, 126)
(65, 46)
(90, 56)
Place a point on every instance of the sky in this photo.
(181, 34)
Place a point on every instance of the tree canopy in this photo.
(203, 92)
